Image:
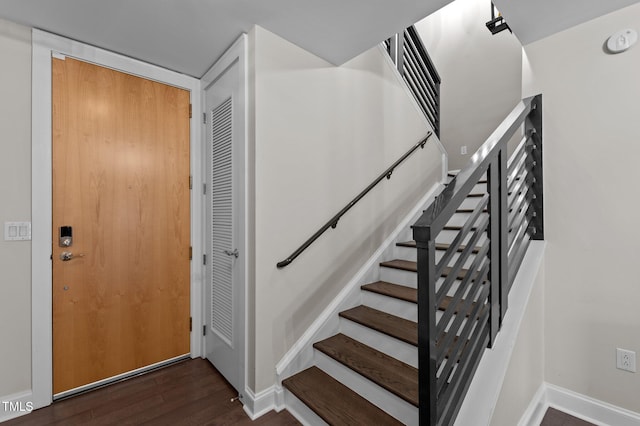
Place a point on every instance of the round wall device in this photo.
(622, 40)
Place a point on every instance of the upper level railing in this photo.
(333, 222)
(414, 64)
(463, 295)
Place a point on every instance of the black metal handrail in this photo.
(333, 222)
(476, 289)
(417, 69)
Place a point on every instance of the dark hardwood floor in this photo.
(188, 393)
(554, 417)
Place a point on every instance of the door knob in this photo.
(66, 256)
(233, 253)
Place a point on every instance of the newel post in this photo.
(427, 357)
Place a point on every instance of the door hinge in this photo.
(204, 330)
(190, 253)
(204, 259)
(190, 111)
(190, 323)
(190, 182)
(204, 118)
(204, 188)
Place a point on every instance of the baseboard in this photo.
(256, 405)
(534, 413)
(295, 360)
(578, 405)
(15, 405)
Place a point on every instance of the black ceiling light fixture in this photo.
(497, 23)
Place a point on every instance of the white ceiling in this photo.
(189, 35)
(532, 20)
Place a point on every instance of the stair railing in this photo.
(417, 69)
(460, 315)
(333, 222)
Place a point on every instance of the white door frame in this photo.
(237, 52)
(43, 46)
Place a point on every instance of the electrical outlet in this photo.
(626, 360)
(463, 150)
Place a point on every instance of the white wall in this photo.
(480, 72)
(591, 112)
(322, 134)
(15, 205)
(525, 372)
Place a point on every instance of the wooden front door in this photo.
(121, 299)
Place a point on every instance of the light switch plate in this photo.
(17, 231)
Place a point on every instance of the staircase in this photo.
(368, 372)
(376, 363)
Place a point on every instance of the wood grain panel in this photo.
(121, 180)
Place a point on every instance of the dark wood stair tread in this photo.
(393, 375)
(470, 211)
(402, 292)
(335, 403)
(480, 181)
(407, 265)
(439, 246)
(391, 325)
(407, 294)
(456, 228)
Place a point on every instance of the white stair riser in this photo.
(479, 187)
(407, 278)
(393, 405)
(406, 253)
(470, 203)
(447, 237)
(440, 254)
(398, 276)
(411, 254)
(460, 219)
(452, 290)
(391, 346)
(301, 411)
(390, 305)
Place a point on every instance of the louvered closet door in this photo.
(223, 298)
(222, 244)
